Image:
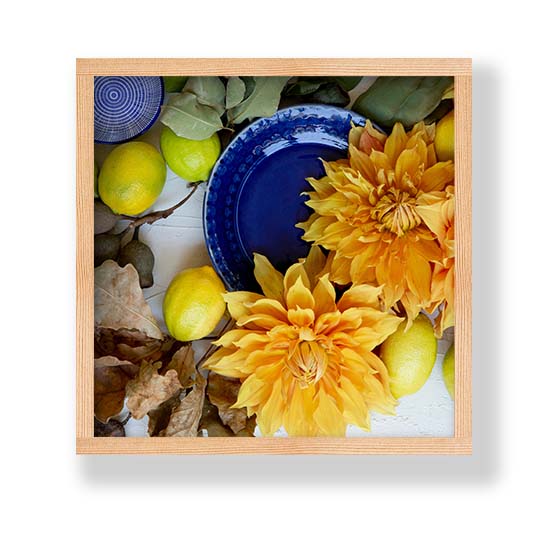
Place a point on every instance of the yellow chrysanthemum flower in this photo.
(438, 214)
(305, 358)
(366, 213)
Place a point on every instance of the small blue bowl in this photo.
(253, 200)
(126, 106)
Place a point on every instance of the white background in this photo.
(48, 490)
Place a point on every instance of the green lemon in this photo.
(191, 160)
(410, 356)
(448, 371)
(193, 304)
(132, 177)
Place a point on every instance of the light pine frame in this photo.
(86, 69)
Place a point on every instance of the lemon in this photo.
(193, 304)
(448, 371)
(444, 138)
(132, 177)
(96, 180)
(410, 356)
(190, 159)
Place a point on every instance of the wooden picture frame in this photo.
(86, 443)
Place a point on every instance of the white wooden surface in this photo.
(178, 243)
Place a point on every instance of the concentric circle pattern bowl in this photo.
(126, 106)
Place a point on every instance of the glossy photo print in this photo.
(274, 256)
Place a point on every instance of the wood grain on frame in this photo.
(84, 256)
(275, 66)
(461, 443)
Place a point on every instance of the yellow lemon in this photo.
(191, 160)
(410, 356)
(132, 177)
(96, 180)
(444, 138)
(448, 371)
(193, 304)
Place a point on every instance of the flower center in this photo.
(395, 212)
(307, 363)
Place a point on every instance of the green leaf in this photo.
(174, 84)
(236, 91)
(303, 87)
(188, 118)
(444, 107)
(348, 82)
(407, 99)
(331, 94)
(209, 91)
(263, 100)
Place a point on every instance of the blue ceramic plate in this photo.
(253, 200)
(126, 106)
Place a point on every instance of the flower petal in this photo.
(324, 296)
(437, 177)
(270, 280)
(407, 163)
(360, 296)
(395, 143)
(328, 416)
(237, 302)
(301, 317)
(270, 415)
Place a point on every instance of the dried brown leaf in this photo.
(110, 429)
(223, 392)
(119, 301)
(183, 362)
(159, 417)
(185, 417)
(212, 426)
(134, 346)
(149, 389)
(111, 378)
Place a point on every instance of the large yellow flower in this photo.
(438, 214)
(305, 358)
(366, 213)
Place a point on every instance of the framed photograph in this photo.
(273, 256)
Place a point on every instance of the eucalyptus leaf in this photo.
(188, 118)
(348, 82)
(331, 94)
(209, 91)
(303, 87)
(236, 91)
(174, 84)
(407, 99)
(249, 81)
(263, 100)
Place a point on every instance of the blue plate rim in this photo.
(301, 108)
(151, 123)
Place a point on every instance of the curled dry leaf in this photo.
(119, 301)
(159, 417)
(111, 377)
(185, 416)
(223, 392)
(149, 389)
(212, 426)
(183, 362)
(110, 429)
(133, 345)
